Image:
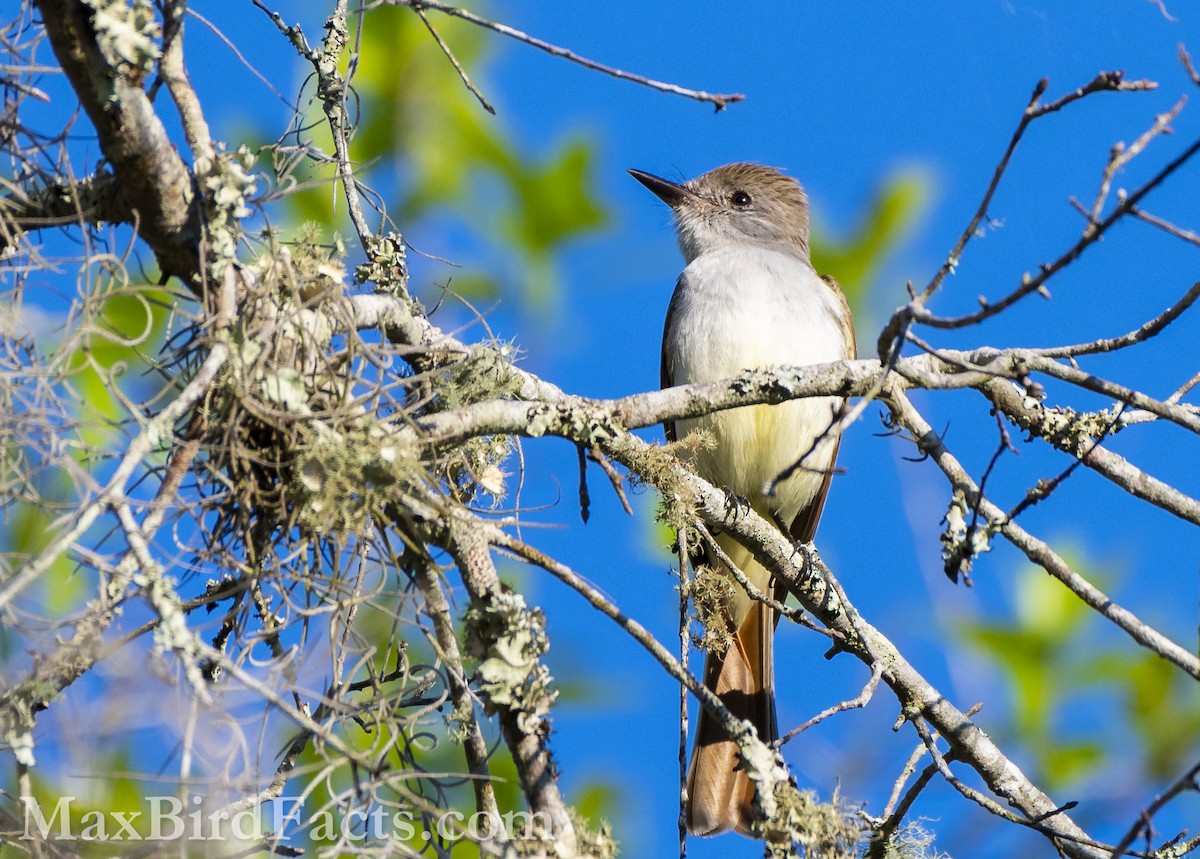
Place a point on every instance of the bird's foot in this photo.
(735, 504)
(798, 548)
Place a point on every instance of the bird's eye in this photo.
(740, 199)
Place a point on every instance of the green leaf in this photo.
(893, 212)
(447, 154)
(554, 202)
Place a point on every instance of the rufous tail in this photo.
(720, 795)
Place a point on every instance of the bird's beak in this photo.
(671, 193)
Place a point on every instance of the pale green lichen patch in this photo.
(801, 825)
(965, 537)
(1067, 429)
(127, 33)
(346, 482)
(386, 265)
(791, 822)
(228, 184)
(509, 639)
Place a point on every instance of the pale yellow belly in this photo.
(753, 446)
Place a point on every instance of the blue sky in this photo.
(843, 96)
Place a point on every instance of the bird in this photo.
(749, 299)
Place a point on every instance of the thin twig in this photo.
(718, 100)
(332, 89)
(1189, 781)
(174, 71)
(895, 810)
(1138, 335)
(955, 255)
(312, 727)
(1034, 283)
(436, 606)
(614, 477)
(1162, 10)
(1186, 59)
(1180, 233)
(1103, 82)
(293, 32)
(714, 549)
(1121, 155)
(943, 767)
(135, 455)
(462, 73)
(856, 703)
(233, 48)
(1183, 389)
(630, 626)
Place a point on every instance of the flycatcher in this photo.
(749, 298)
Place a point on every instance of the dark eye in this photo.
(740, 199)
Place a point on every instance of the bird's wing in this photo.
(804, 526)
(667, 368)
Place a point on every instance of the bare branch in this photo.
(428, 580)
(1121, 155)
(1188, 782)
(1034, 283)
(332, 89)
(1187, 235)
(1103, 82)
(1037, 551)
(1186, 59)
(174, 72)
(1138, 335)
(522, 716)
(153, 180)
(856, 703)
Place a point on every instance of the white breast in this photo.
(740, 309)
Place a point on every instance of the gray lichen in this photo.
(127, 33)
(227, 183)
(962, 541)
(508, 638)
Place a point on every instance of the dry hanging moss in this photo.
(309, 428)
(711, 591)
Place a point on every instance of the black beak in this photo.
(671, 193)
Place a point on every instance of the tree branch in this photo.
(153, 181)
(502, 625)
(1103, 82)
(438, 609)
(1037, 551)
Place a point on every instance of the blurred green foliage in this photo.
(99, 368)
(1057, 657)
(449, 157)
(91, 808)
(855, 260)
